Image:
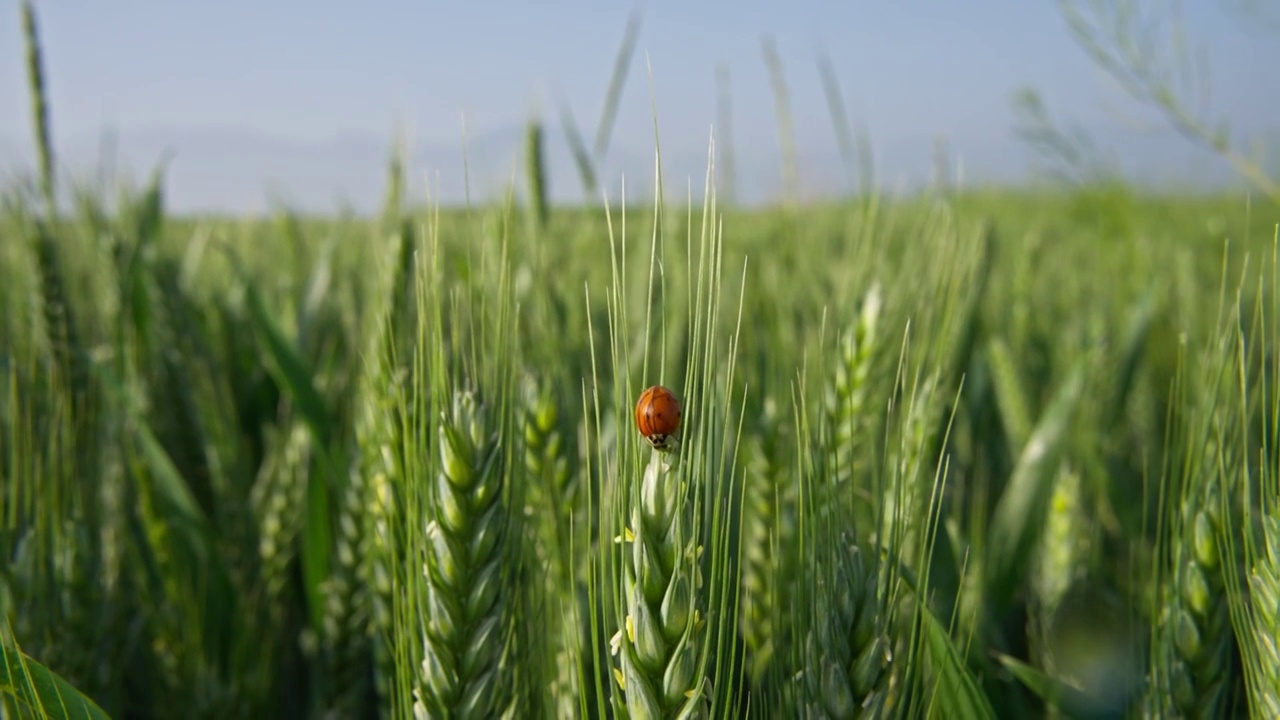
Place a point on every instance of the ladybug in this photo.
(658, 416)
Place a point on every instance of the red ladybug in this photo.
(658, 416)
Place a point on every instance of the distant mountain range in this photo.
(226, 169)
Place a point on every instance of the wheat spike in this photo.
(768, 529)
(1064, 543)
(846, 652)
(906, 498)
(277, 496)
(551, 495)
(345, 647)
(846, 401)
(1264, 587)
(465, 614)
(657, 647)
(1199, 671)
(849, 432)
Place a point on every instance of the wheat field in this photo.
(968, 454)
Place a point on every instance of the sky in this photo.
(298, 102)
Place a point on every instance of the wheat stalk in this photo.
(380, 435)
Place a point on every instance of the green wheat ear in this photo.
(847, 650)
(551, 479)
(906, 498)
(1264, 587)
(848, 415)
(278, 493)
(1064, 544)
(465, 624)
(658, 646)
(768, 530)
(1199, 664)
(551, 486)
(347, 653)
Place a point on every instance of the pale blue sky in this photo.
(299, 98)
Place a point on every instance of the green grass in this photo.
(974, 454)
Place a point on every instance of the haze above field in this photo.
(298, 101)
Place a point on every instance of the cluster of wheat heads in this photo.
(489, 553)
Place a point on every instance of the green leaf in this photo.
(42, 690)
(170, 487)
(317, 546)
(1065, 698)
(1019, 515)
(956, 693)
(285, 363)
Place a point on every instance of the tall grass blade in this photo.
(1019, 514)
(956, 694)
(40, 691)
(1056, 693)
